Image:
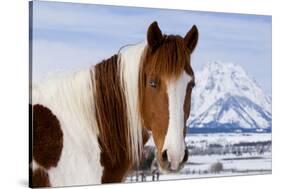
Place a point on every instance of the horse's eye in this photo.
(192, 84)
(153, 83)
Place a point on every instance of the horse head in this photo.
(166, 82)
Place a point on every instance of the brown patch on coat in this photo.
(47, 137)
(111, 115)
(40, 178)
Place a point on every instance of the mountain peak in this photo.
(217, 84)
(229, 68)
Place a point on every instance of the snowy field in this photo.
(228, 138)
(220, 154)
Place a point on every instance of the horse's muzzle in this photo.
(168, 166)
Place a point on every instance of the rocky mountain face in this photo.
(227, 99)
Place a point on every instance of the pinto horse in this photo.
(89, 127)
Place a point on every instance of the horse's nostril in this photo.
(164, 155)
(185, 158)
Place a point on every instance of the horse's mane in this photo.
(110, 108)
(115, 82)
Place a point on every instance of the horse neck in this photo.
(116, 103)
(70, 93)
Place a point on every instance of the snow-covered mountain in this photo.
(227, 98)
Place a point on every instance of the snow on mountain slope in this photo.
(226, 96)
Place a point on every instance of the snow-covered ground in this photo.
(238, 153)
(227, 138)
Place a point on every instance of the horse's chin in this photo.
(164, 168)
(167, 171)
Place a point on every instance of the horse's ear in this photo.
(191, 38)
(154, 36)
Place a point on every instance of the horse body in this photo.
(90, 127)
(70, 99)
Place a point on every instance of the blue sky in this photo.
(68, 36)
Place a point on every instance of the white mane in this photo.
(130, 59)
